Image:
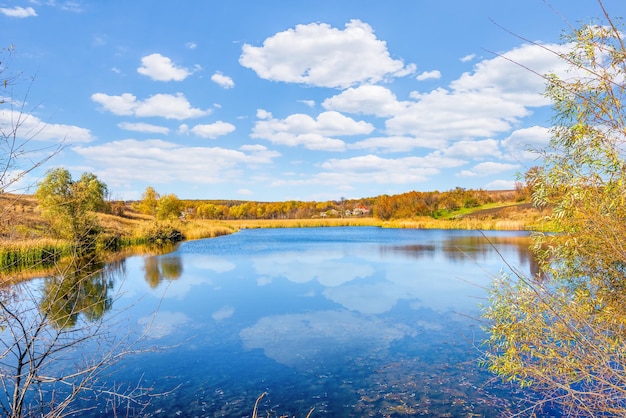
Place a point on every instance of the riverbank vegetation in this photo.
(563, 332)
(67, 216)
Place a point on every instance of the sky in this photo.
(272, 100)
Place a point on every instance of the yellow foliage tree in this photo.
(564, 333)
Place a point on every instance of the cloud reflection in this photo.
(162, 323)
(313, 339)
(223, 313)
(301, 267)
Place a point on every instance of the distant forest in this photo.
(401, 206)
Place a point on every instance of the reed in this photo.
(463, 223)
(199, 229)
(37, 254)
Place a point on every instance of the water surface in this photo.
(349, 321)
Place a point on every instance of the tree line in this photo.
(400, 206)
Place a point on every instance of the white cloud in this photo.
(309, 103)
(17, 11)
(367, 99)
(444, 114)
(315, 134)
(525, 142)
(161, 68)
(320, 55)
(116, 162)
(223, 80)
(213, 130)
(263, 114)
(393, 143)
(144, 127)
(488, 169)
(373, 169)
(507, 76)
(467, 58)
(491, 100)
(501, 185)
(191, 45)
(30, 127)
(474, 149)
(162, 105)
(245, 192)
(429, 75)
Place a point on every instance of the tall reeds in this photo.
(38, 254)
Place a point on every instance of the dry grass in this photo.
(301, 223)
(199, 229)
(464, 223)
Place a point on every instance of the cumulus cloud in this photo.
(320, 55)
(467, 58)
(429, 75)
(144, 127)
(526, 142)
(486, 148)
(501, 185)
(373, 169)
(17, 11)
(213, 130)
(117, 161)
(161, 68)
(161, 105)
(488, 169)
(30, 127)
(223, 80)
(490, 100)
(309, 103)
(303, 130)
(449, 114)
(507, 75)
(393, 143)
(367, 99)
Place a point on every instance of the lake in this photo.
(354, 321)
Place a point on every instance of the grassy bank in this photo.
(25, 243)
(475, 223)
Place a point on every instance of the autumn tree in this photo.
(42, 327)
(169, 207)
(149, 202)
(564, 333)
(69, 205)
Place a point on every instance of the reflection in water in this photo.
(321, 339)
(474, 247)
(83, 290)
(159, 268)
(351, 321)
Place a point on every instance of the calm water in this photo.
(349, 321)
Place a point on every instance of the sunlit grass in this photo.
(302, 223)
(36, 255)
(198, 229)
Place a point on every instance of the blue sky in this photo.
(275, 100)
